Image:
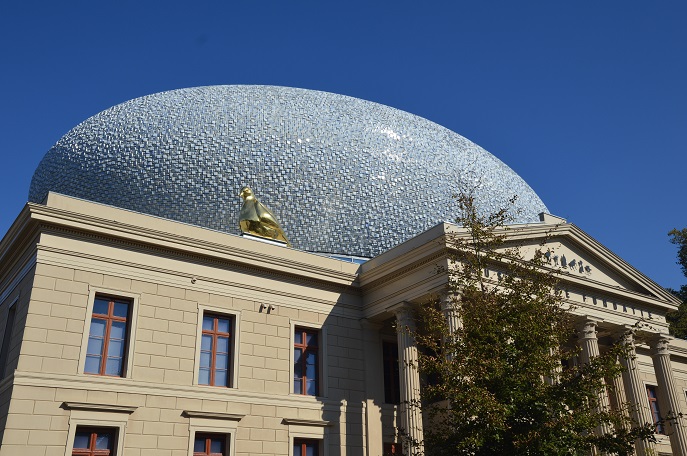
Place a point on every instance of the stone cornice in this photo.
(18, 243)
(394, 274)
(94, 263)
(299, 422)
(98, 407)
(133, 386)
(16, 280)
(267, 259)
(213, 415)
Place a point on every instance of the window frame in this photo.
(208, 435)
(304, 441)
(307, 349)
(92, 451)
(110, 319)
(101, 419)
(322, 370)
(655, 408)
(235, 332)
(216, 334)
(132, 324)
(317, 432)
(202, 423)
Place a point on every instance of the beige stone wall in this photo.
(38, 425)
(174, 272)
(161, 381)
(17, 296)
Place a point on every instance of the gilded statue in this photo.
(255, 219)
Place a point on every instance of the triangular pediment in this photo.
(567, 255)
(582, 259)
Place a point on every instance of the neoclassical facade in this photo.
(144, 336)
(136, 320)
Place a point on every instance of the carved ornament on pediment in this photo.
(560, 261)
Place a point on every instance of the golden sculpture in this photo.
(255, 219)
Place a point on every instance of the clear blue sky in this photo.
(587, 101)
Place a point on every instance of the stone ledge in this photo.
(98, 407)
(299, 422)
(212, 415)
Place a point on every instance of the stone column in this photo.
(411, 416)
(636, 394)
(666, 390)
(589, 343)
(449, 306)
(618, 396)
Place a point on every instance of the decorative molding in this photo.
(299, 422)
(212, 255)
(78, 224)
(351, 290)
(95, 382)
(212, 415)
(98, 407)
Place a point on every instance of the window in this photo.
(306, 447)
(6, 340)
(215, 351)
(391, 448)
(653, 406)
(210, 445)
(392, 393)
(108, 337)
(305, 362)
(94, 442)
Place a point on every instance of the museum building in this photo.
(150, 305)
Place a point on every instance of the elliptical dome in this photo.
(343, 175)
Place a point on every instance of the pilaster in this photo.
(636, 393)
(666, 390)
(589, 343)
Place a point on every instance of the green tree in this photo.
(678, 318)
(496, 385)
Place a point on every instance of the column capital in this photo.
(626, 333)
(450, 301)
(403, 310)
(660, 344)
(586, 328)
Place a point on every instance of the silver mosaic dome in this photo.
(343, 175)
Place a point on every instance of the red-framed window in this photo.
(306, 447)
(306, 362)
(210, 445)
(391, 449)
(108, 337)
(215, 351)
(392, 383)
(655, 410)
(94, 442)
